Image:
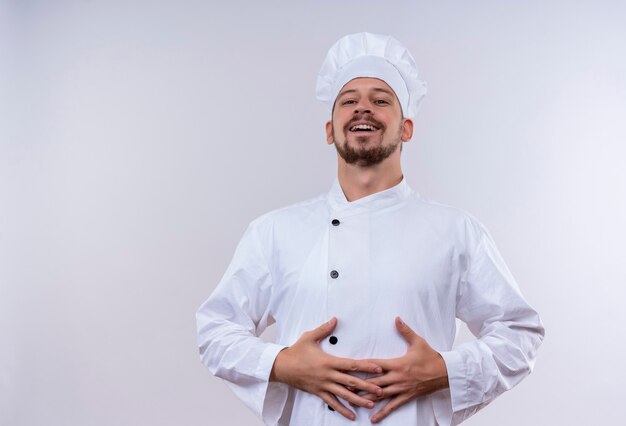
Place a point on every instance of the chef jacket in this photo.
(391, 253)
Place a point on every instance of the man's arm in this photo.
(508, 330)
(229, 323)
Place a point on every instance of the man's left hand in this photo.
(419, 372)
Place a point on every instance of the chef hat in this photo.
(371, 55)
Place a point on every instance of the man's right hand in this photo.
(305, 366)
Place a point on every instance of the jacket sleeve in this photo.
(508, 332)
(230, 321)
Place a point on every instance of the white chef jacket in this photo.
(391, 253)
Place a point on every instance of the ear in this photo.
(329, 133)
(407, 130)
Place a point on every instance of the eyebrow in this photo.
(375, 89)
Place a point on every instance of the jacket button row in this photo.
(335, 222)
(334, 274)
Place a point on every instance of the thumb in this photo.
(323, 330)
(409, 335)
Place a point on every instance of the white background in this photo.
(139, 138)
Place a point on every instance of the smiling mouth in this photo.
(363, 128)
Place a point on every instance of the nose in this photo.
(362, 107)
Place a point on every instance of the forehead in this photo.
(365, 84)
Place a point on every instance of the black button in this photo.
(333, 340)
(330, 408)
(335, 222)
(334, 274)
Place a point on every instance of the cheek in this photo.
(339, 124)
(338, 119)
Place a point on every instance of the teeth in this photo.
(362, 127)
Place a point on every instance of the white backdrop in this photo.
(139, 138)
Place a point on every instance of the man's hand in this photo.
(419, 372)
(305, 366)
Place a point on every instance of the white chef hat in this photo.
(371, 55)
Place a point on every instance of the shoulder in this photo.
(450, 218)
(297, 213)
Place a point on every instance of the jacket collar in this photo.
(378, 200)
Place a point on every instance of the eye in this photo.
(348, 101)
(380, 101)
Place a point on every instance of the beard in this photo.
(367, 156)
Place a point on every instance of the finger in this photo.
(322, 331)
(393, 390)
(385, 380)
(390, 406)
(355, 383)
(385, 363)
(370, 396)
(365, 395)
(407, 333)
(352, 398)
(354, 365)
(387, 392)
(337, 406)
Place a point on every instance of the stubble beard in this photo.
(371, 156)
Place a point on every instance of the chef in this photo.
(365, 283)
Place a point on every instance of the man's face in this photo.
(367, 124)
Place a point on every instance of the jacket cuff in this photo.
(441, 407)
(273, 394)
(457, 379)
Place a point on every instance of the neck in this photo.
(358, 182)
